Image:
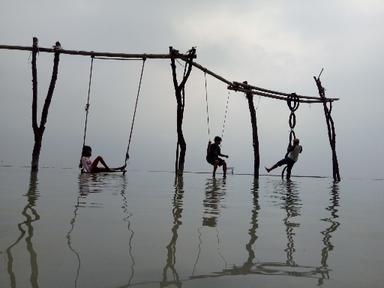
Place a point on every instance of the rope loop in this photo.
(293, 101)
(292, 136)
(292, 120)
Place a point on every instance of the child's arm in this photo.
(223, 155)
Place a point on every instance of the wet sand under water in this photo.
(62, 229)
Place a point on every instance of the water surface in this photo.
(62, 229)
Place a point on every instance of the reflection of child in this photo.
(293, 152)
(213, 153)
(89, 166)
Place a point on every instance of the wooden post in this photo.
(331, 129)
(38, 131)
(255, 137)
(180, 98)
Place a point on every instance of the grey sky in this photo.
(279, 45)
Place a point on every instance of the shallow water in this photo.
(62, 229)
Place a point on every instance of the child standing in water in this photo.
(89, 166)
(290, 158)
(213, 153)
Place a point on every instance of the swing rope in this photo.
(134, 112)
(225, 115)
(206, 100)
(88, 100)
(207, 109)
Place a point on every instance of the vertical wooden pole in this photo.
(255, 137)
(38, 130)
(35, 127)
(180, 98)
(331, 130)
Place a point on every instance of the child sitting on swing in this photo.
(89, 166)
(213, 153)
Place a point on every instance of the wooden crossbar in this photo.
(98, 54)
(246, 88)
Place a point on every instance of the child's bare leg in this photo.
(214, 169)
(98, 160)
(225, 169)
(274, 166)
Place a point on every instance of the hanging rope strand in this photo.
(206, 101)
(88, 100)
(134, 111)
(225, 115)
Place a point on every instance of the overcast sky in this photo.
(279, 45)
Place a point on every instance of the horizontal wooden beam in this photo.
(205, 70)
(97, 54)
(276, 93)
(236, 86)
(273, 96)
(246, 88)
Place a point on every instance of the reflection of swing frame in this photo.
(288, 268)
(28, 233)
(250, 266)
(83, 192)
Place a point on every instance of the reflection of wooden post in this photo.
(177, 211)
(255, 137)
(38, 131)
(331, 129)
(27, 231)
(334, 224)
(247, 266)
(180, 98)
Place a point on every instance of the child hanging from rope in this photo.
(89, 166)
(213, 153)
(290, 158)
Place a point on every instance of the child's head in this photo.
(217, 140)
(87, 151)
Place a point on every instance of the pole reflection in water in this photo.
(26, 230)
(247, 266)
(333, 225)
(290, 203)
(177, 210)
